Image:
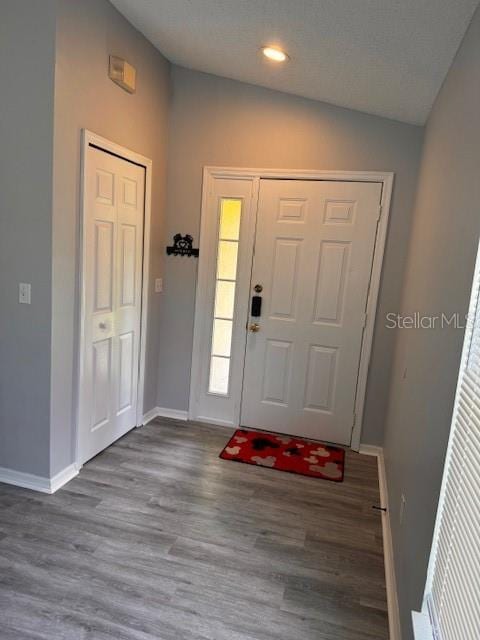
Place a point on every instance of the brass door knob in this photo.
(254, 327)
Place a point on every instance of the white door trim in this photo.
(90, 138)
(211, 173)
(390, 579)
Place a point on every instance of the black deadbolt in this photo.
(256, 306)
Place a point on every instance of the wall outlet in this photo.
(24, 293)
(403, 504)
(158, 285)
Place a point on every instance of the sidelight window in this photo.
(225, 284)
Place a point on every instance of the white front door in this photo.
(313, 259)
(112, 288)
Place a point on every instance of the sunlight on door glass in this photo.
(227, 260)
(230, 219)
(222, 337)
(222, 326)
(224, 299)
(219, 374)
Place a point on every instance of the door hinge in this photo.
(354, 421)
(379, 212)
(365, 316)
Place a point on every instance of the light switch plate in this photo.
(24, 293)
(158, 285)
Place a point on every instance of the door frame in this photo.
(210, 174)
(103, 144)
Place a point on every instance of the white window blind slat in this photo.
(453, 586)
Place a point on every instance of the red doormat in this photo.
(286, 453)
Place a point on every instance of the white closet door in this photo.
(313, 259)
(112, 289)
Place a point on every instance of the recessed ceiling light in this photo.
(275, 54)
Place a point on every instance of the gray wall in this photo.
(27, 35)
(446, 226)
(224, 122)
(87, 32)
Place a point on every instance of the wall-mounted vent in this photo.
(122, 73)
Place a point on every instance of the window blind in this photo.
(453, 589)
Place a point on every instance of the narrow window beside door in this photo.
(226, 276)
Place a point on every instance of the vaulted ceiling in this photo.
(386, 57)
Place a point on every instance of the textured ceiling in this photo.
(387, 57)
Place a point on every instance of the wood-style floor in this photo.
(158, 538)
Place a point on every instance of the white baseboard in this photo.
(150, 415)
(217, 423)
(63, 477)
(390, 580)
(164, 412)
(38, 483)
(26, 480)
(370, 450)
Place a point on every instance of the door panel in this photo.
(276, 378)
(101, 380)
(128, 274)
(126, 371)
(284, 278)
(331, 273)
(105, 181)
(103, 283)
(129, 192)
(340, 212)
(320, 383)
(113, 230)
(291, 210)
(313, 257)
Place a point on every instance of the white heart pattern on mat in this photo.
(330, 470)
(232, 451)
(239, 439)
(269, 461)
(321, 452)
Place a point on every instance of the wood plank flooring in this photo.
(158, 538)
